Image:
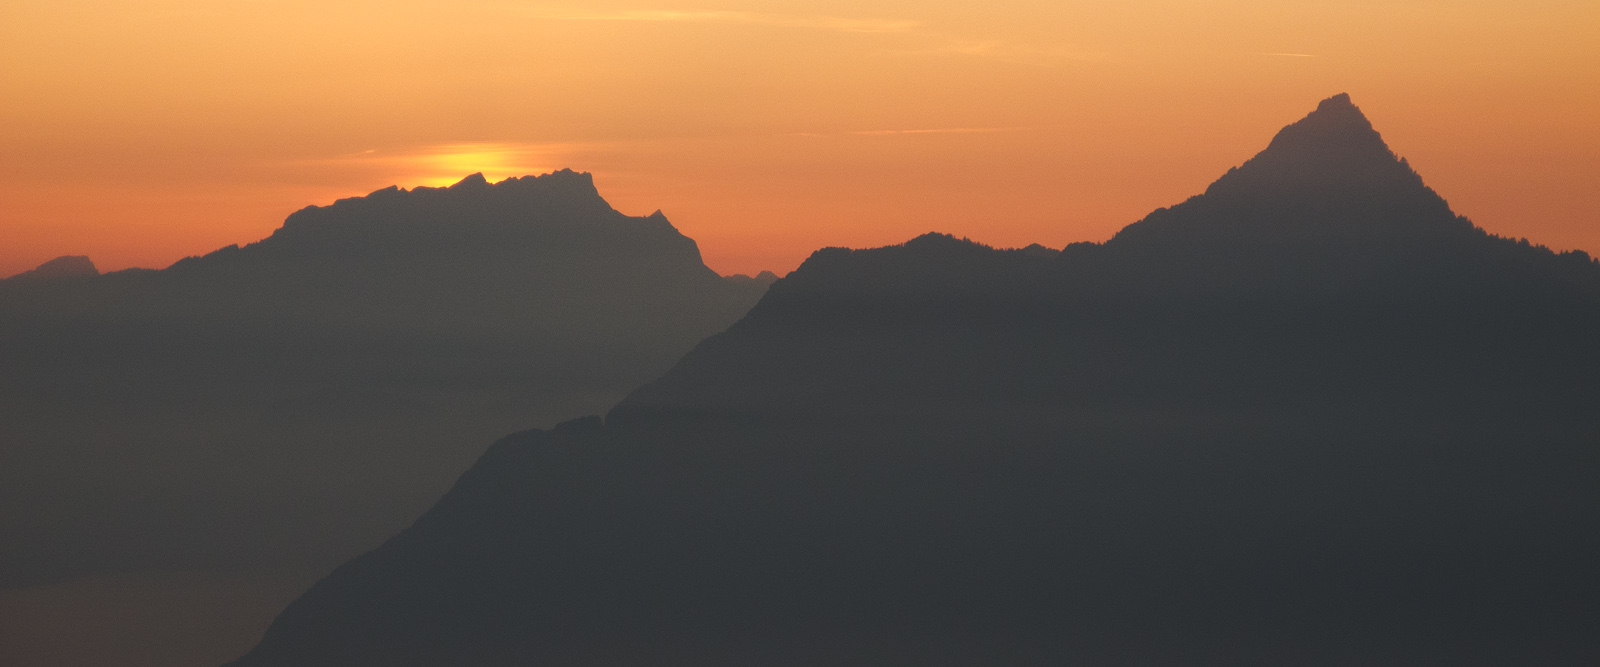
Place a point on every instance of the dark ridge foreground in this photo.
(1310, 417)
(293, 402)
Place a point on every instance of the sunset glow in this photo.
(138, 132)
(285, 383)
(438, 166)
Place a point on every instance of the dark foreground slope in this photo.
(296, 400)
(1309, 417)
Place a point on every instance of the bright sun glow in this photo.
(444, 165)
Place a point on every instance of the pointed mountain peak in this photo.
(1332, 149)
(1337, 103)
(1329, 173)
(473, 181)
(1337, 127)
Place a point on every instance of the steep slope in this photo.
(1324, 254)
(1308, 417)
(295, 400)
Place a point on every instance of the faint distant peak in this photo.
(65, 266)
(763, 278)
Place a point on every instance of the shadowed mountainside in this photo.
(296, 400)
(1308, 417)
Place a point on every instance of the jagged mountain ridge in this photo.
(209, 414)
(441, 252)
(1331, 423)
(495, 226)
(1323, 226)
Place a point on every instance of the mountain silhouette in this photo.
(65, 266)
(296, 400)
(1308, 417)
(763, 278)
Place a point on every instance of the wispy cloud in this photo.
(1004, 50)
(942, 130)
(835, 23)
(917, 131)
(1288, 55)
(932, 42)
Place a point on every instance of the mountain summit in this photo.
(1308, 417)
(1329, 177)
(314, 390)
(1332, 148)
(1336, 139)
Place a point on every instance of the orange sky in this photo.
(138, 132)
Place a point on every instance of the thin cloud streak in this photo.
(1005, 51)
(945, 43)
(916, 131)
(1289, 55)
(835, 23)
(944, 130)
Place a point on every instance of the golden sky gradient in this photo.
(138, 132)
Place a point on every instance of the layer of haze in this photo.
(141, 132)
